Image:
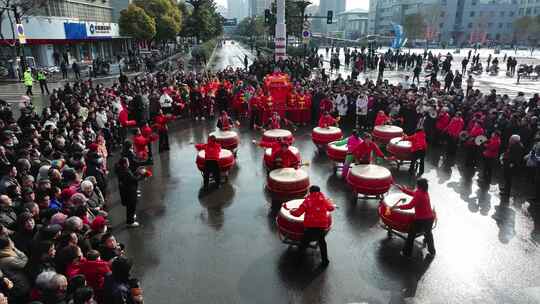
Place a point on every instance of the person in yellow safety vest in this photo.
(28, 81)
(42, 78)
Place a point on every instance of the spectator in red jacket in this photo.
(94, 270)
(211, 165)
(327, 120)
(363, 152)
(442, 122)
(418, 149)
(140, 145)
(160, 125)
(423, 217)
(148, 133)
(284, 158)
(491, 154)
(316, 209)
(453, 129)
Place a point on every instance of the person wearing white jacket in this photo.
(361, 111)
(166, 102)
(341, 104)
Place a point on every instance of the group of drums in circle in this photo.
(353, 156)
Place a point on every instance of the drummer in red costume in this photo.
(453, 129)
(315, 209)
(442, 122)
(211, 166)
(491, 154)
(327, 120)
(284, 157)
(148, 133)
(470, 145)
(160, 124)
(382, 119)
(140, 145)
(423, 217)
(363, 153)
(304, 103)
(418, 149)
(275, 122)
(224, 122)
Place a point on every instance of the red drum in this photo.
(383, 134)
(273, 135)
(399, 220)
(369, 179)
(268, 153)
(288, 182)
(336, 153)
(324, 136)
(291, 227)
(226, 160)
(401, 149)
(227, 139)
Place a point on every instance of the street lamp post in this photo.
(302, 5)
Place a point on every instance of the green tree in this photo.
(414, 26)
(166, 15)
(135, 22)
(251, 26)
(204, 22)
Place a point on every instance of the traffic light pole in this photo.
(20, 51)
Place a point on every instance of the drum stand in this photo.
(391, 232)
(360, 196)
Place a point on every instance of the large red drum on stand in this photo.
(274, 135)
(369, 179)
(383, 134)
(396, 219)
(227, 139)
(336, 153)
(323, 136)
(226, 160)
(291, 228)
(287, 182)
(268, 154)
(400, 149)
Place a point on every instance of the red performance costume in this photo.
(382, 119)
(284, 158)
(364, 152)
(326, 121)
(224, 123)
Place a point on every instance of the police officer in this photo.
(316, 208)
(42, 78)
(28, 81)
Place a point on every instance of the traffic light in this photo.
(329, 17)
(267, 16)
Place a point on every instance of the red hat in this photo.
(93, 147)
(67, 193)
(98, 223)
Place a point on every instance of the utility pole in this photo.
(280, 41)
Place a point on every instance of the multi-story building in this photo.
(336, 6)
(238, 9)
(257, 7)
(80, 30)
(118, 6)
(450, 21)
(352, 24)
(529, 8)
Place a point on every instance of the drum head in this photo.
(398, 142)
(388, 129)
(224, 153)
(480, 140)
(338, 148)
(329, 130)
(288, 175)
(287, 213)
(277, 133)
(371, 172)
(294, 150)
(224, 134)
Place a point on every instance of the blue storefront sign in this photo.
(75, 30)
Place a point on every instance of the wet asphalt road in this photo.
(222, 246)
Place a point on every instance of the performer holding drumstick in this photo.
(423, 216)
(284, 158)
(316, 220)
(418, 149)
(327, 120)
(211, 166)
(363, 153)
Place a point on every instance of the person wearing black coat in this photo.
(94, 167)
(512, 159)
(119, 286)
(128, 183)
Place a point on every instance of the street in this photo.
(222, 246)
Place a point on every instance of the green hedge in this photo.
(207, 48)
